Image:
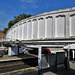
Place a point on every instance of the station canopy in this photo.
(70, 46)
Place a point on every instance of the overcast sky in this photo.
(11, 8)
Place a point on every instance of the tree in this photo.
(5, 30)
(11, 23)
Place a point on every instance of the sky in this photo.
(11, 8)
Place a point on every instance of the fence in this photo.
(53, 60)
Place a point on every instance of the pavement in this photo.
(63, 71)
(26, 71)
(17, 57)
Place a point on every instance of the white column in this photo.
(45, 28)
(22, 31)
(54, 27)
(27, 30)
(73, 56)
(9, 51)
(67, 26)
(39, 58)
(32, 30)
(37, 28)
(68, 53)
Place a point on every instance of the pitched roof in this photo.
(1, 33)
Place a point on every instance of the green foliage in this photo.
(11, 23)
(15, 20)
(20, 17)
(5, 30)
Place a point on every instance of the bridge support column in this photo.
(68, 54)
(18, 50)
(39, 57)
(73, 56)
(39, 61)
(9, 51)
